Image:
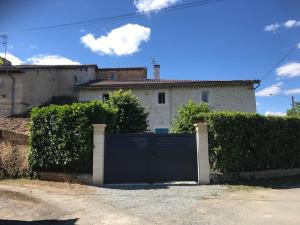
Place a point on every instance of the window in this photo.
(161, 130)
(105, 97)
(112, 76)
(161, 98)
(205, 96)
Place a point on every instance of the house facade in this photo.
(163, 98)
(26, 86)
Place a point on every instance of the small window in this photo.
(205, 96)
(161, 130)
(161, 98)
(105, 97)
(112, 76)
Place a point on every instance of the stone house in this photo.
(26, 86)
(163, 98)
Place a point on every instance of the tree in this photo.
(295, 111)
(131, 115)
(187, 117)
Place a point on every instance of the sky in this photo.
(218, 40)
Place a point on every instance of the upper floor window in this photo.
(105, 96)
(161, 98)
(205, 96)
(112, 76)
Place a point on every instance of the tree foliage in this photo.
(295, 111)
(131, 115)
(187, 117)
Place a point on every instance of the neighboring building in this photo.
(163, 98)
(14, 145)
(26, 86)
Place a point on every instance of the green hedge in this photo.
(240, 142)
(61, 136)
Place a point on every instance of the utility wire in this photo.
(268, 72)
(123, 16)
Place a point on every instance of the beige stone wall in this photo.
(222, 98)
(37, 86)
(13, 154)
(6, 93)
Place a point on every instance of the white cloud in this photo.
(270, 113)
(294, 91)
(124, 40)
(50, 60)
(291, 23)
(289, 70)
(145, 6)
(40, 60)
(273, 89)
(272, 27)
(287, 24)
(82, 30)
(13, 59)
(298, 45)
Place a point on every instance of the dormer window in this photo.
(112, 76)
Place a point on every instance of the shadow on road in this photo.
(145, 186)
(38, 222)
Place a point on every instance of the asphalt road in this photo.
(50, 203)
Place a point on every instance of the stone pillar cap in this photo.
(99, 125)
(200, 124)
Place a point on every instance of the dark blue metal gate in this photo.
(149, 157)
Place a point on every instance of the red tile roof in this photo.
(15, 125)
(112, 84)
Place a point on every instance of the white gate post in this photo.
(98, 154)
(202, 153)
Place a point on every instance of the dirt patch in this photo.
(49, 186)
(17, 196)
(149, 204)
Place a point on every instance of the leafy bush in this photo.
(295, 111)
(131, 116)
(187, 117)
(241, 142)
(61, 136)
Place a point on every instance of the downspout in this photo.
(12, 92)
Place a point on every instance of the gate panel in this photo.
(132, 158)
(126, 158)
(174, 158)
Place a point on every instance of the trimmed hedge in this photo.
(241, 142)
(61, 137)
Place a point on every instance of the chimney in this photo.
(156, 68)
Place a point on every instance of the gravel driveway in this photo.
(37, 202)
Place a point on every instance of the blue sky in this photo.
(231, 39)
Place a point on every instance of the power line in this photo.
(123, 16)
(268, 72)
